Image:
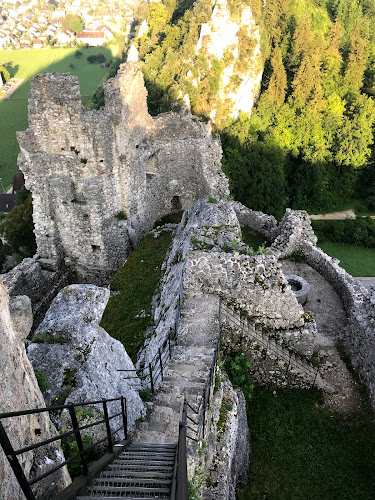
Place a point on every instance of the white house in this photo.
(93, 38)
(65, 37)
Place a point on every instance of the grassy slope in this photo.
(26, 64)
(301, 452)
(137, 282)
(357, 261)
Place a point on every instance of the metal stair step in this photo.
(148, 455)
(107, 481)
(152, 450)
(134, 473)
(143, 462)
(126, 489)
(152, 445)
(143, 467)
(124, 498)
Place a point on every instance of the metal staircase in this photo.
(142, 471)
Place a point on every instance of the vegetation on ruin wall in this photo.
(27, 63)
(309, 142)
(128, 314)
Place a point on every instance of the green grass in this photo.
(252, 239)
(300, 451)
(26, 64)
(137, 282)
(357, 261)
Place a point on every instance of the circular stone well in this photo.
(299, 287)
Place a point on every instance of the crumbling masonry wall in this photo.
(84, 167)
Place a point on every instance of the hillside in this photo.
(308, 142)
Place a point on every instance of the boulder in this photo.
(80, 358)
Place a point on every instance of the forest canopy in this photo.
(309, 141)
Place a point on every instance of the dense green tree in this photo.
(4, 73)
(354, 73)
(355, 136)
(76, 25)
(278, 82)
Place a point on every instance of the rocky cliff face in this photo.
(19, 391)
(85, 359)
(232, 39)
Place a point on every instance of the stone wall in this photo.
(223, 459)
(19, 391)
(208, 257)
(85, 167)
(359, 337)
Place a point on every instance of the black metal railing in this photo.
(154, 371)
(12, 454)
(287, 356)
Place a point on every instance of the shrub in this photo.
(238, 370)
(78, 53)
(121, 215)
(42, 379)
(98, 58)
(360, 232)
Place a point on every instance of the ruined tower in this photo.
(89, 169)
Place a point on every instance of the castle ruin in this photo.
(101, 178)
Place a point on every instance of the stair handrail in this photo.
(302, 365)
(12, 454)
(155, 368)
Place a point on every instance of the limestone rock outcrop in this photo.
(233, 38)
(101, 178)
(80, 358)
(19, 391)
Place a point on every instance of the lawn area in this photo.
(357, 261)
(302, 451)
(136, 282)
(25, 64)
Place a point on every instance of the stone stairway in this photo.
(296, 365)
(142, 471)
(187, 371)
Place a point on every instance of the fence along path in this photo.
(294, 364)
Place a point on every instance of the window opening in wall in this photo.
(96, 249)
(176, 204)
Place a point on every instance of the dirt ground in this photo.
(14, 87)
(345, 214)
(331, 320)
